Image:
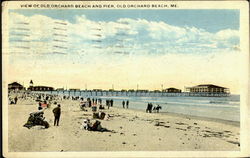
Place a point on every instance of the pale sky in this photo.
(99, 48)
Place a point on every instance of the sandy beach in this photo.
(132, 131)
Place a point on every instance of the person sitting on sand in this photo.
(106, 117)
(97, 127)
(86, 125)
(94, 108)
(11, 101)
(101, 107)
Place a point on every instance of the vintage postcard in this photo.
(125, 79)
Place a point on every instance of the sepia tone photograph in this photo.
(125, 77)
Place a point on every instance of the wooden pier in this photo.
(91, 93)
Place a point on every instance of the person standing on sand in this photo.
(15, 100)
(111, 102)
(150, 108)
(123, 104)
(147, 108)
(40, 106)
(107, 103)
(127, 104)
(57, 114)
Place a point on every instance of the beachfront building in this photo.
(15, 86)
(172, 90)
(41, 88)
(207, 88)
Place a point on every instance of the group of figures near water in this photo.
(155, 108)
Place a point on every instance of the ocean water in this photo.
(226, 108)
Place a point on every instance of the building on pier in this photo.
(172, 90)
(207, 88)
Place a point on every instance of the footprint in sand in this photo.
(189, 127)
(180, 123)
(233, 142)
(228, 131)
(181, 129)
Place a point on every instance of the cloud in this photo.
(123, 52)
(86, 34)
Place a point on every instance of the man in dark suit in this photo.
(57, 113)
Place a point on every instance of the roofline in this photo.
(208, 86)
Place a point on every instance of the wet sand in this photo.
(133, 131)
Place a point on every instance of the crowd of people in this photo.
(94, 104)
